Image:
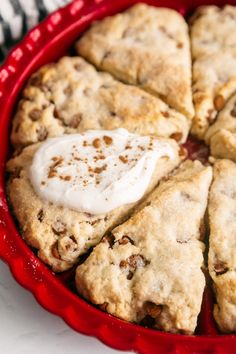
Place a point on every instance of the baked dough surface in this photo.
(71, 96)
(213, 41)
(145, 46)
(148, 270)
(221, 257)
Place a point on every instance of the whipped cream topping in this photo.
(96, 171)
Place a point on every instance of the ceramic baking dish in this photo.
(46, 43)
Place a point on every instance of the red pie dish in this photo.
(46, 43)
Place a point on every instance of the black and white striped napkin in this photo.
(19, 16)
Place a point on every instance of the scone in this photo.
(71, 96)
(148, 270)
(61, 234)
(222, 261)
(221, 136)
(145, 46)
(213, 39)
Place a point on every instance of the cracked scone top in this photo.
(71, 96)
(212, 32)
(221, 256)
(148, 270)
(221, 136)
(144, 46)
(97, 171)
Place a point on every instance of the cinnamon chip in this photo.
(152, 309)
(219, 102)
(58, 227)
(220, 268)
(165, 114)
(125, 239)
(179, 45)
(75, 121)
(183, 152)
(40, 215)
(42, 133)
(35, 114)
(57, 113)
(55, 251)
(110, 238)
(233, 111)
(135, 261)
(35, 80)
(176, 136)
(103, 306)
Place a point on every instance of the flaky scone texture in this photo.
(148, 270)
(222, 260)
(213, 40)
(145, 46)
(71, 96)
(60, 234)
(221, 136)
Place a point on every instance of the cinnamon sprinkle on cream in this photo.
(108, 140)
(75, 170)
(100, 169)
(123, 159)
(97, 143)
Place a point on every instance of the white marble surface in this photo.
(26, 328)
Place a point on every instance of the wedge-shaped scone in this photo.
(61, 234)
(221, 136)
(148, 270)
(71, 96)
(222, 260)
(213, 36)
(145, 46)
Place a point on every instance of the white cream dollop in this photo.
(96, 171)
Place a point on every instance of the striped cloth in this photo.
(18, 16)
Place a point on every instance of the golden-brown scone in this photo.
(148, 270)
(145, 46)
(71, 96)
(213, 39)
(222, 260)
(221, 136)
(60, 234)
